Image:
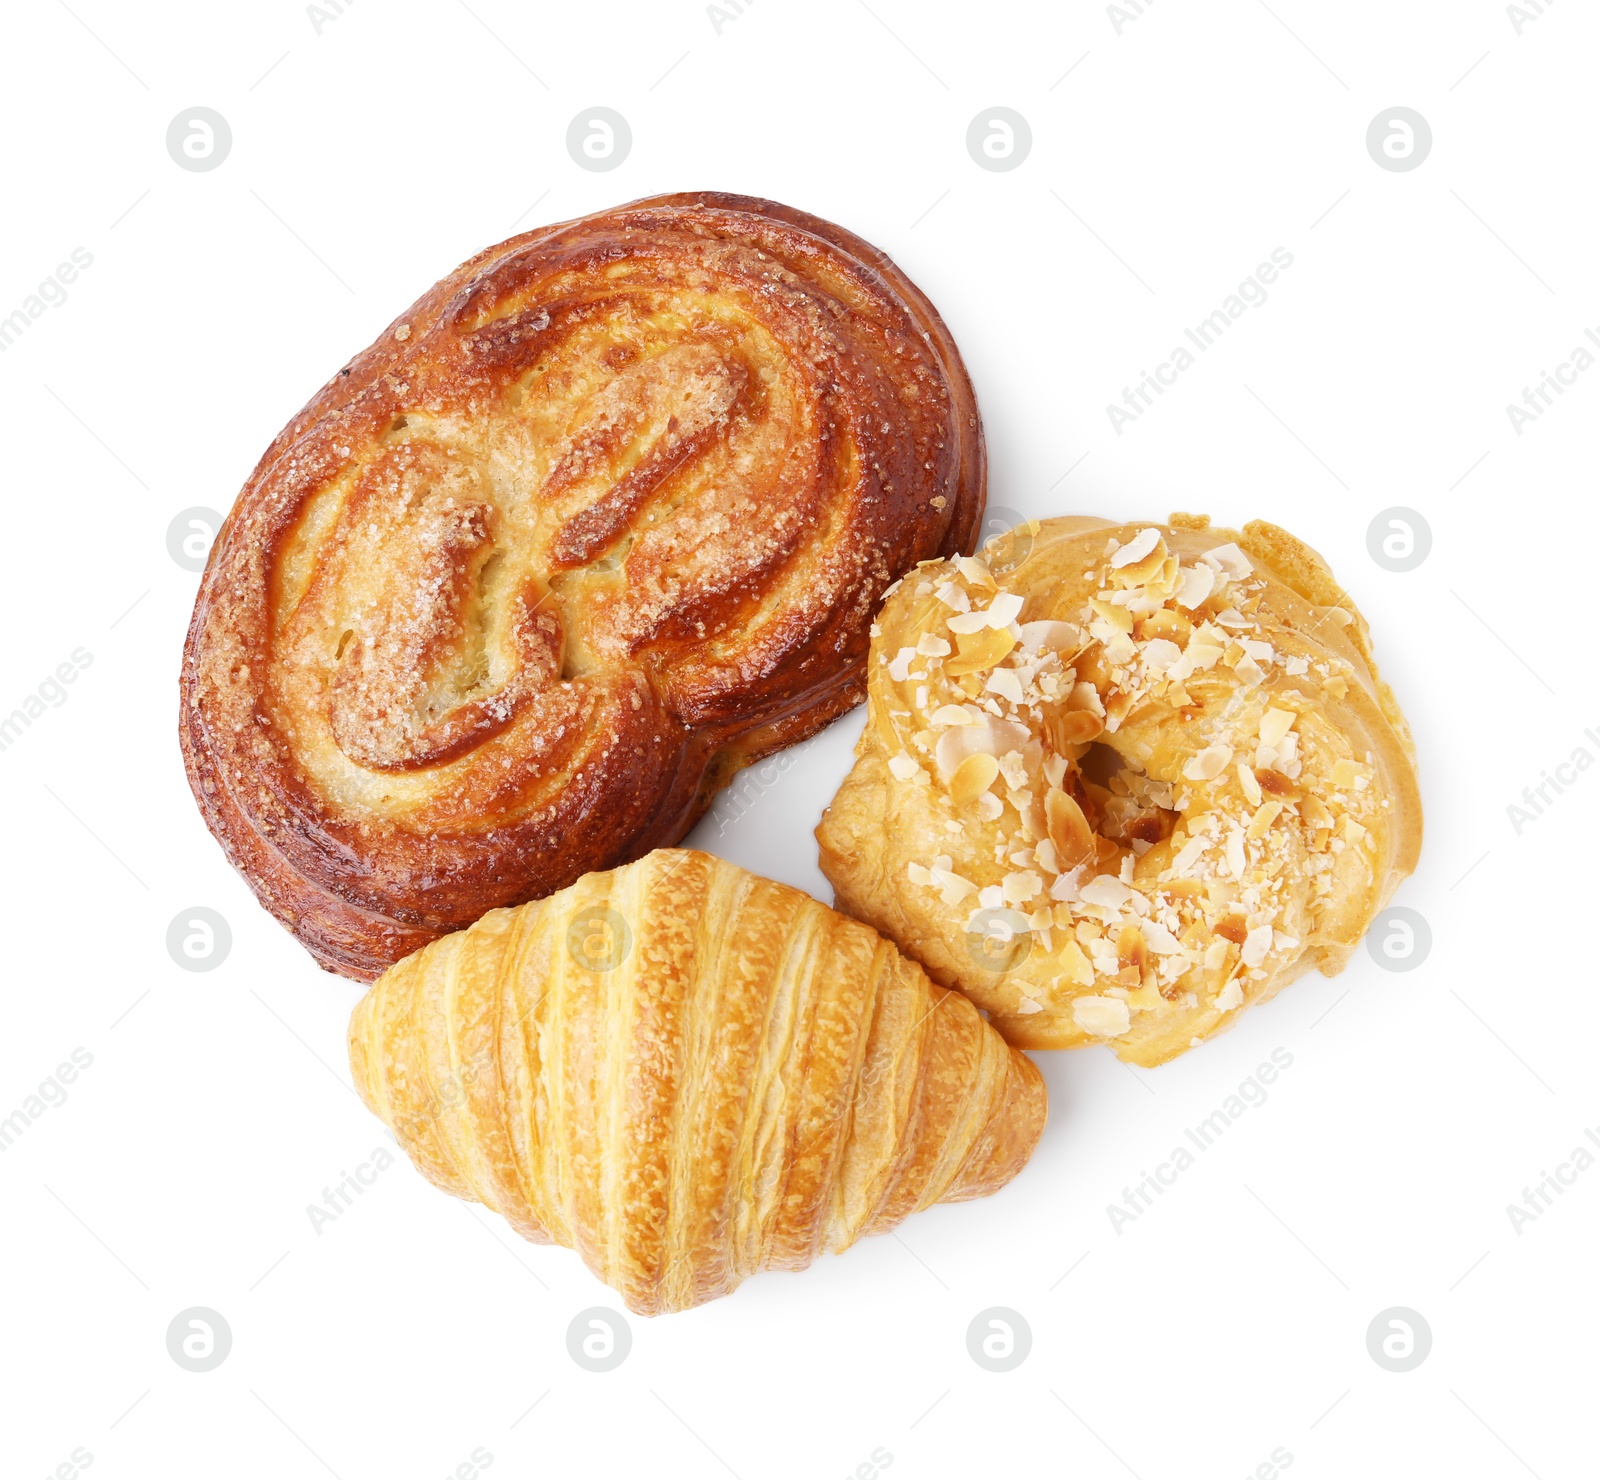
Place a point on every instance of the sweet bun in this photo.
(1120, 782)
(599, 520)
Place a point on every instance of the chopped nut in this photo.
(1104, 1017)
(1346, 772)
(1275, 724)
(1209, 764)
(1195, 585)
(1106, 890)
(991, 736)
(1160, 940)
(1200, 655)
(1007, 683)
(974, 776)
(1315, 811)
(1266, 815)
(979, 652)
(1161, 653)
(1141, 561)
(1067, 728)
(1132, 949)
(1256, 945)
(1004, 609)
(1276, 784)
(1141, 545)
(1189, 855)
(1231, 927)
(1074, 964)
(1249, 785)
(1020, 887)
(976, 571)
(1086, 696)
(1229, 560)
(1164, 622)
(1070, 833)
(952, 886)
(1058, 637)
(1119, 618)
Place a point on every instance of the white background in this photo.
(1230, 1320)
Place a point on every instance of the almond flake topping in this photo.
(1104, 1017)
(1196, 585)
(974, 775)
(1229, 560)
(1209, 764)
(1136, 549)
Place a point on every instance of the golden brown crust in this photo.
(688, 1074)
(1149, 778)
(600, 519)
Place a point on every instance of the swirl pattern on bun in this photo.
(599, 520)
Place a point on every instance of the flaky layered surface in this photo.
(688, 1074)
(600, 519)
(1119, 782)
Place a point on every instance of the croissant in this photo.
(599, 520)
(688, 1074)
(1120, 782)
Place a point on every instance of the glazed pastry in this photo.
(688, 1074)
(598, 521)
(1119, 782)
